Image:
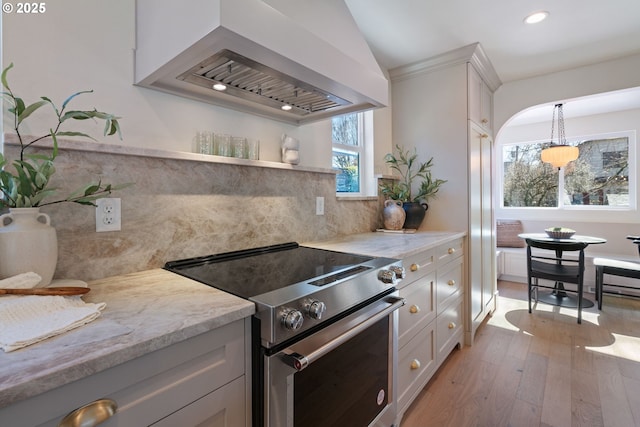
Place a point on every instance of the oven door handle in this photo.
(299, 361)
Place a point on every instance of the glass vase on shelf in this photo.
(253, 149)
(239, 147)
(222, 145)
(204, 142)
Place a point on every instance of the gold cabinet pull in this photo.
(414, 267)
(90, 415)
(414, 309)
(451, 251)
(484, 135)
(452, 325)
(451, 282)
(484, 121)
(415, 364)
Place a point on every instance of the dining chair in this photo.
(549, 262)
(616, 267)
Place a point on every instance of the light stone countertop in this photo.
(390, 245)
(145, 311)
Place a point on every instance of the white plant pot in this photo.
(28, 242)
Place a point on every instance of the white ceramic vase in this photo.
(28, 242)
(393, 215)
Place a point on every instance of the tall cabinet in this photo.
(443, 107)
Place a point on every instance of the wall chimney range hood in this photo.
(266, 54)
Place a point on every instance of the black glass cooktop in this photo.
(253, 272)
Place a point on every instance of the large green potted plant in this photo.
(27, 241)
(412, 173)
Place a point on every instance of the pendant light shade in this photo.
(558, 155)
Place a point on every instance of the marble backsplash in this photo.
(180, 208)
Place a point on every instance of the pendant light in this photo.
(558, 155)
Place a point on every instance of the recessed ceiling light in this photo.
(286, 107)
(219, 86)
(536, 17)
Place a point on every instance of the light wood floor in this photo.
(540, 369)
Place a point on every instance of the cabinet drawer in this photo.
(449, 251)
(448, 330)
(416, 363)
(221, 408)
(417, 266)
(449, 284)
(419, 308)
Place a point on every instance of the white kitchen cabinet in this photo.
(480, 100)
(482, 262)
(448, 330)
(416, 365)
(438, 107)
(430, 323)
(419, 308)
(199, 381)
(449, 284)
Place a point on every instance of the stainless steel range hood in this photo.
(267, 54)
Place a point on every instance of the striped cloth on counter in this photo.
(28, 319)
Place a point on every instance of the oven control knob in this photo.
(292, 319)
(398, 270)
(315, 309)
(387, 276)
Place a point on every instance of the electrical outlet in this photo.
(319, 205)
(108, 214)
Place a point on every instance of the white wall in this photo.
(430, 114)
(516, 96)
(89, 44)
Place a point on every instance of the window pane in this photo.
(527, 181)
(348, 180)
(345, 129)
(600, 175)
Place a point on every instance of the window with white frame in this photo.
(348, 157)
(602, 178)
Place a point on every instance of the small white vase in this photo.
(28, 242)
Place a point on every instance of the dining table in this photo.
(558, 296)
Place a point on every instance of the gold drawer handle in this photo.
(414, 309)
(414, 267)
(91, 414)
(415, 364)
(451, 282)
(452, 325)
(484, 121)
(451, 251)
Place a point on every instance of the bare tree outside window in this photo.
(344, 130)
(528, 181)
(599, 177)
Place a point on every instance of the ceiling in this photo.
(576, 33)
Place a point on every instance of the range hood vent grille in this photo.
(252, 81)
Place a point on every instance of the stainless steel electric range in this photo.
(324, 333)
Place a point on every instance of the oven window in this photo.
(347, 387)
